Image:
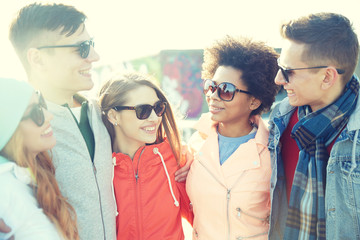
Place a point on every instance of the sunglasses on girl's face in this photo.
(226, 91)
(36, 113)
(83, 47)
(143, 111)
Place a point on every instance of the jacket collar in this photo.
(354, 122)
(60, 108)
(162, 147)
(246, 157)
(24, 175)
(205, 126)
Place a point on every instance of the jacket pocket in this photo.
(252, 236)
(343, 198)
(240, 213)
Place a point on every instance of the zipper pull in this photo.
(238, 212)
(228, 194)
(136, 177)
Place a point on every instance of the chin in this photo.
(150, 140)
(215, 118)
(88, 87)
(294, 104)
(50, 144)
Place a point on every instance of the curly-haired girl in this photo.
(229, 180)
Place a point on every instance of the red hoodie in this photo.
(149, 209)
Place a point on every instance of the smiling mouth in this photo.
(149, 129)
(85, 72)
(212, 108)
(290, 91)
(47, 131)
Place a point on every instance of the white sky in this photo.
(128, 29)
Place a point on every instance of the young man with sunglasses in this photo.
(314, 133)
(57, 53)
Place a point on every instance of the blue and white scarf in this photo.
(313, 133)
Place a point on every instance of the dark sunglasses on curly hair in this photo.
(36, 113)
(83, 47)
(225, 90)
(143, 111)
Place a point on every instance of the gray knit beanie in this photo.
(14, 98)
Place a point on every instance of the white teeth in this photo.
(84, 72)
(47, 131)
(290, 91)
(149, 128)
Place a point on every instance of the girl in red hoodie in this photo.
(146, 154)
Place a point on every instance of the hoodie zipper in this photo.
(137, 193)
(94, 171)
(101, 210)
(228, 194)
(136, 173)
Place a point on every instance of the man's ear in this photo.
(34, 57)
(254, 103)
(330, 78)
(112, 116)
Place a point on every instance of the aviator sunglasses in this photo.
(83, 47)
(286, 72)
(225, 90)
(143, 111)
(36, 113)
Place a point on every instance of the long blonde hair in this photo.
(47, 191)
(114, 93)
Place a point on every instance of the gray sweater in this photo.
(87, 186)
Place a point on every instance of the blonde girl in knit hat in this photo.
(31, 203)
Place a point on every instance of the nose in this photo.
(93, 55)
(213, 95)
(279, 78)
(48, 115)
(153, 116)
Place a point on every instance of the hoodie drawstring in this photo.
(156, 151)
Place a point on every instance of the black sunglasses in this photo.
(36, 113)
(83, 47)
(143, 111)
(286, 72)
(225, 90)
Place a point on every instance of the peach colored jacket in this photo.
(230, 201)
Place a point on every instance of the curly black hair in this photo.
(256, 61)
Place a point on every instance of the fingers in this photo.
(3, 227)
(180, 175)
(187, 158)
